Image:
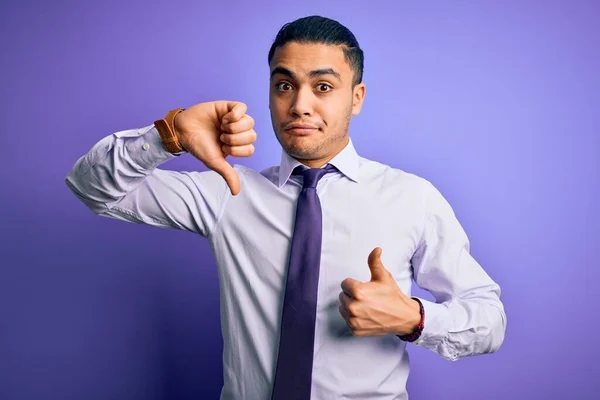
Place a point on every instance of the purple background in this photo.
(497, 104)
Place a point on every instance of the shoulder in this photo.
(397, 183)
(425, 197)
(395, 177)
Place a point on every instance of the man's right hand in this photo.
(214, 130)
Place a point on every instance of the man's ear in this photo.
(358, 95)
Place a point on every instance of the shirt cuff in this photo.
(436, 325)
(145, 147)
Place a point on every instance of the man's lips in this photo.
(301, 129)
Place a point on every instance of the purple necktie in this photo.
(295, 359)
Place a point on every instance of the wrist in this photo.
(176, 130)
(419, 319)
(416, 320)
(167, 132)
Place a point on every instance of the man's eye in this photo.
(323, 87)
(282, 85)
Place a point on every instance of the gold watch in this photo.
(166, 130)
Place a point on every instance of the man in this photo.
(316, 256)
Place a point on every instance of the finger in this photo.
(349, 286)
(223, 168)
(243, 124)
(236, 111)
(344, 313)
(345, 300)
(239, 139)
(238, 151)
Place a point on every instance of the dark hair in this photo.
(317, 29)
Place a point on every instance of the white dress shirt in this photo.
(365, 205)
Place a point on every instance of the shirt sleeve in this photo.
(118, 178)
(468, 317)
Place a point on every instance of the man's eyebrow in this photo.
(312, 74)
(283, 71)
(326, 71)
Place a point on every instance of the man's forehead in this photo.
(309, 59)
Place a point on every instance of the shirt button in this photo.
(145, 146)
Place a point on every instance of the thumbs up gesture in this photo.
(377, 307)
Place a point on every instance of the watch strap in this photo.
(417, 333)
(166, 130)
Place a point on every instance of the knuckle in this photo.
(352, 309)
(240, 126)
(232, 127)
(246, 123)
(358, 294)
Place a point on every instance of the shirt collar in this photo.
(346, 161)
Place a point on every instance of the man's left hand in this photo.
(378, 307)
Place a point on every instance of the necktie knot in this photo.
(312, 175)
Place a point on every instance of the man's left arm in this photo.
(468, 317)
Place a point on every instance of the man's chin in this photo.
(298, 147)
(300, 152)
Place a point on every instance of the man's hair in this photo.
(317, 29)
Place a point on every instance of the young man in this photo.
(317, 255)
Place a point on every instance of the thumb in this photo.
(378, 271)
(222, 167)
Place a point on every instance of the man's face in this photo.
(311, 84)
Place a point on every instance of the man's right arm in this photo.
(118, 178)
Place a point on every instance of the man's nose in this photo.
(302, 104)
